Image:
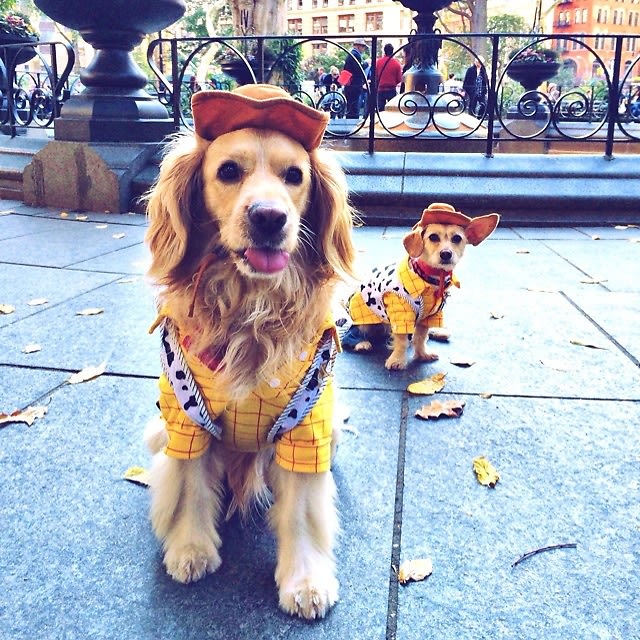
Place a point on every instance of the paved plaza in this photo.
(548, 319)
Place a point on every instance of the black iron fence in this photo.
(35, 79)
(551, 93)
(535, 90)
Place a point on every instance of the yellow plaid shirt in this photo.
(246, 424)
(401, 314)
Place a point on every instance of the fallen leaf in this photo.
(496, 315)
(485, 472)
(436, 409)
(28, 415)
(31, 348)
(523, 251)
(415, 570)
(82, 218)
(137, 475)
(462, 362)
(127, 280)
(429, 386)
(91, 311)
(37, 302)
(439, 334)
(118, 236)
(595, 237)
(101, 226)
(589, 345)
(88, 373)
(486, 395)
(593, 281)
(6, 309)
(64, 214)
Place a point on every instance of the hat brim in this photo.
(218, 112)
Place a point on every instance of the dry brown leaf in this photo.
(91, 311)
(6, 309)
(589, 345)
(439, 334)
(429, 386)
(415, 570)
(462, 362)
(486, 395)
(37, 302)
(137, 475)
(118, 236)
(485, 472)
(496, 315)
(88, 373)
(31, 348)
(436, 409)
(595, 237)
(28, 416)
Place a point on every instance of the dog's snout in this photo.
(267, 218)
(446, 255)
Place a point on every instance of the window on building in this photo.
(314, 4)
(320, 26)
(325, 3)
(374, 21)
(578, 19)
(585, 13)
(300, 4)
(346, 23)
(318, 48)
(295, 26)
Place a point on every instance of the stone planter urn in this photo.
(532, 74)
(114, 107)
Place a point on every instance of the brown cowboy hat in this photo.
(259, 106)
(476, 229)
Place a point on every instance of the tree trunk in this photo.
(259, 17)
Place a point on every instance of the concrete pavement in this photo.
(559, 420)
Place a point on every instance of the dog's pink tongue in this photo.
(267, 260)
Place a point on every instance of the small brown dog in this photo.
(408, 297)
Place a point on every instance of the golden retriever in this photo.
(249, 233)
(408, 297)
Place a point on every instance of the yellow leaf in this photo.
(91, 311)
(415, 570)
(88, 373)
(28, 415)
(436, 409)
(31, 348)
(137, 475)
(64, 214)
(485, 472)
(429, 386)
(6, 309)
(37, 302)
(118, 236)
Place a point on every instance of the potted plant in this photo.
(15, 28)
(532, 65)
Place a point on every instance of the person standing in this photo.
(354, 87)
(388, 76)
(475, 86)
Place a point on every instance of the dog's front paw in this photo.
(191, 562)
(395, 363)
(425, 356)
(310, 597)
(363, 345)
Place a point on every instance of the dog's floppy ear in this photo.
(481, 228)
(170, 205)
(413, 241)
(331, 216)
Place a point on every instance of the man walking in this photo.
(354, 87)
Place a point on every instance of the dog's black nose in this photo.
(446, 255)
(266, 219)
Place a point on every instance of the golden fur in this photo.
(256, 321)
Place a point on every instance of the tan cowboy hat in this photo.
(259, 106)
(476, 229)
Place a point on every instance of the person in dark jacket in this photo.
(354, 88)
(475, 87)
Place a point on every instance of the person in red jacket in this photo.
(388, 76)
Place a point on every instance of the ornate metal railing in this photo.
(33, 98)
(594, 106)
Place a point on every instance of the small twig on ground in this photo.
(535, 552)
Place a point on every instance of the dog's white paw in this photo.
(191, 562)
(310, 597)
(365, 345)
(395, 363)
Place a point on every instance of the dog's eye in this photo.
(434, 237)
(229, 172)
(456, 239)
(293, 175)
